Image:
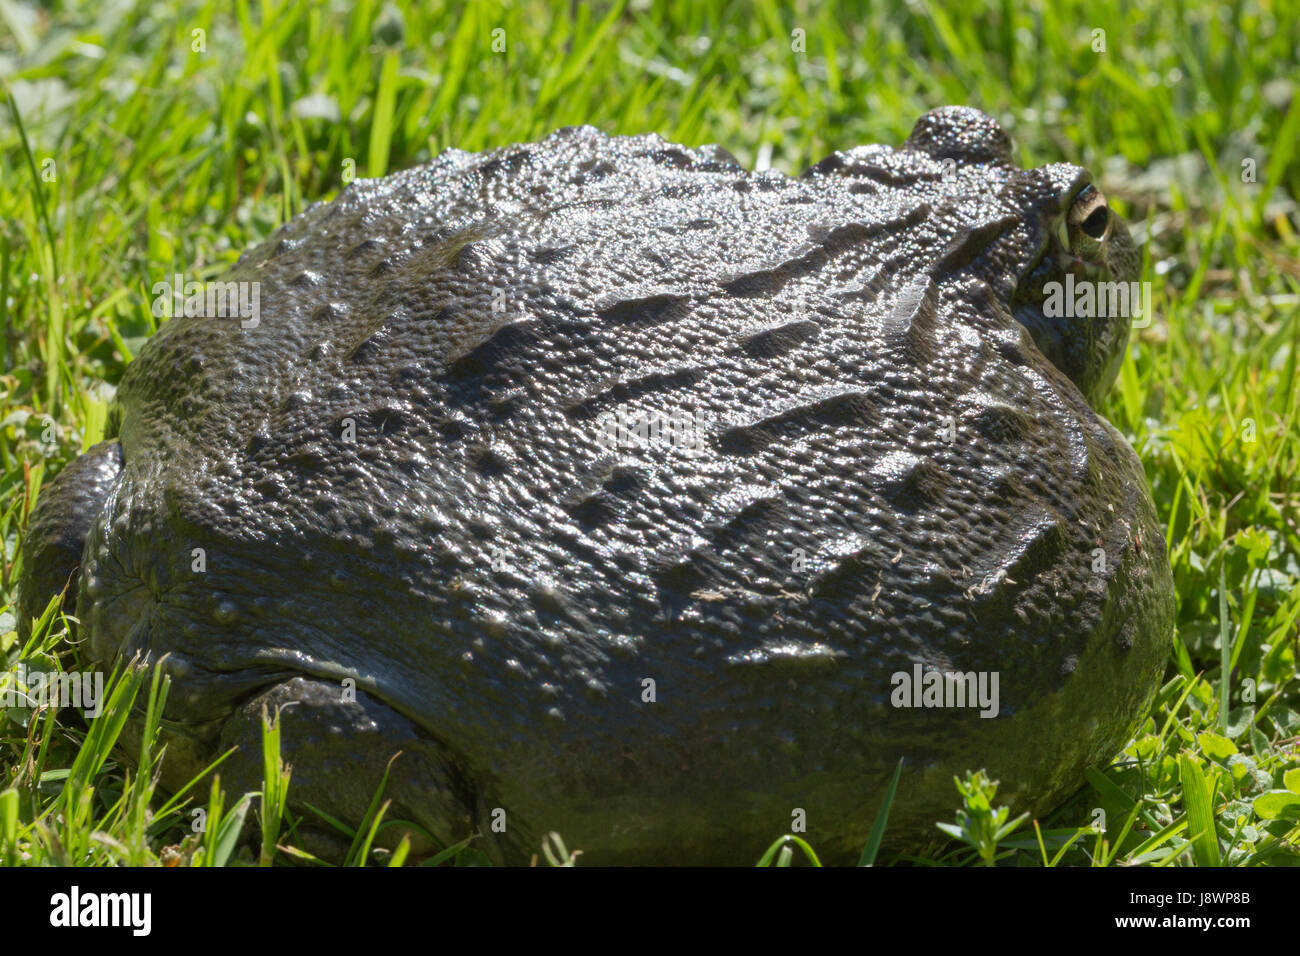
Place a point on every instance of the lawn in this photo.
(138, 140)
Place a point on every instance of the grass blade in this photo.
(869, 851)
(1200, 813)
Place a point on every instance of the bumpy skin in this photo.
(500, 584)
(56, 535)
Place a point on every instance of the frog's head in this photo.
(1079, 294)
(1073, 267)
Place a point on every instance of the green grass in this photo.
(138, 156)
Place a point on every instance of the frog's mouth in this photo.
(1076, 296)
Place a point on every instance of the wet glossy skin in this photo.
(406, 475)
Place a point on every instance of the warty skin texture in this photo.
(402, 475)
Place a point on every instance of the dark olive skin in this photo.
(416, 528)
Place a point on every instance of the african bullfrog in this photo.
(639, 497)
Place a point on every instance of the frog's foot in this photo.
(56, 534)
(338, 742)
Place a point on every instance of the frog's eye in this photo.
(1087, 223)
(1096, 223)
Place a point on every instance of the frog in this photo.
(600, 486)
